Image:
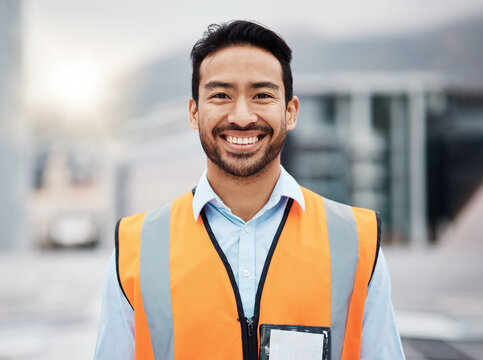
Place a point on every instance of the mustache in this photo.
(219, 129)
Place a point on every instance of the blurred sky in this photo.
(74, 48)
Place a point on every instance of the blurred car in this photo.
(75, 229)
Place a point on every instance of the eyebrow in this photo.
(264, 84)
(256, 85)
(218, 84)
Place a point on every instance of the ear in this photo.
(193, 111)
(292, 113)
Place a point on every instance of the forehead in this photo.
(241, 63)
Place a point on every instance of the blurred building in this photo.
(13, 144)
(389, 141)
(406, 144)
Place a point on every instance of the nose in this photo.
(242, 114)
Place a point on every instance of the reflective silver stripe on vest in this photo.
(154, 281)
(344, 254)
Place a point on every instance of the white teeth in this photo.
(242, 140)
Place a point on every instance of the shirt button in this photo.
(246, 273)
(247, 228)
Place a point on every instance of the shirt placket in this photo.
(246, 267)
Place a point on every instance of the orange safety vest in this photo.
(187, 304)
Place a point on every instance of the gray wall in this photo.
(13, 144)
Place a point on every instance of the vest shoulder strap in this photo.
(128, 244)
(368, 223)
(369, 231)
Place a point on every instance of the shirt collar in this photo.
(286, 186)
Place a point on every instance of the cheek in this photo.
(209, 118)
(281, 122)
(205, 126)
(273, 112)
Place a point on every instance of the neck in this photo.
(245, 196)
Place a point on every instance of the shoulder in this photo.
(128, 244)
(332, 208)
(341, 210)
(129, 228)
(364, 224)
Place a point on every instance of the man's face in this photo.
(241, 114)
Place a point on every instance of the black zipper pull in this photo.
(250, 325)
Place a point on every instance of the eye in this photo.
(219, 96)
(263, 96)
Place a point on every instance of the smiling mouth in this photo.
(241, 140)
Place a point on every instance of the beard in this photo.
(242, 164)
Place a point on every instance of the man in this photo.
(248, 264)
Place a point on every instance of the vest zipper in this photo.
(253, 344)
(252, 336)
(249, 326)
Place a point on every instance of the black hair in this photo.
(240, 32)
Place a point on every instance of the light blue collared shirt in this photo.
(246, 246)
